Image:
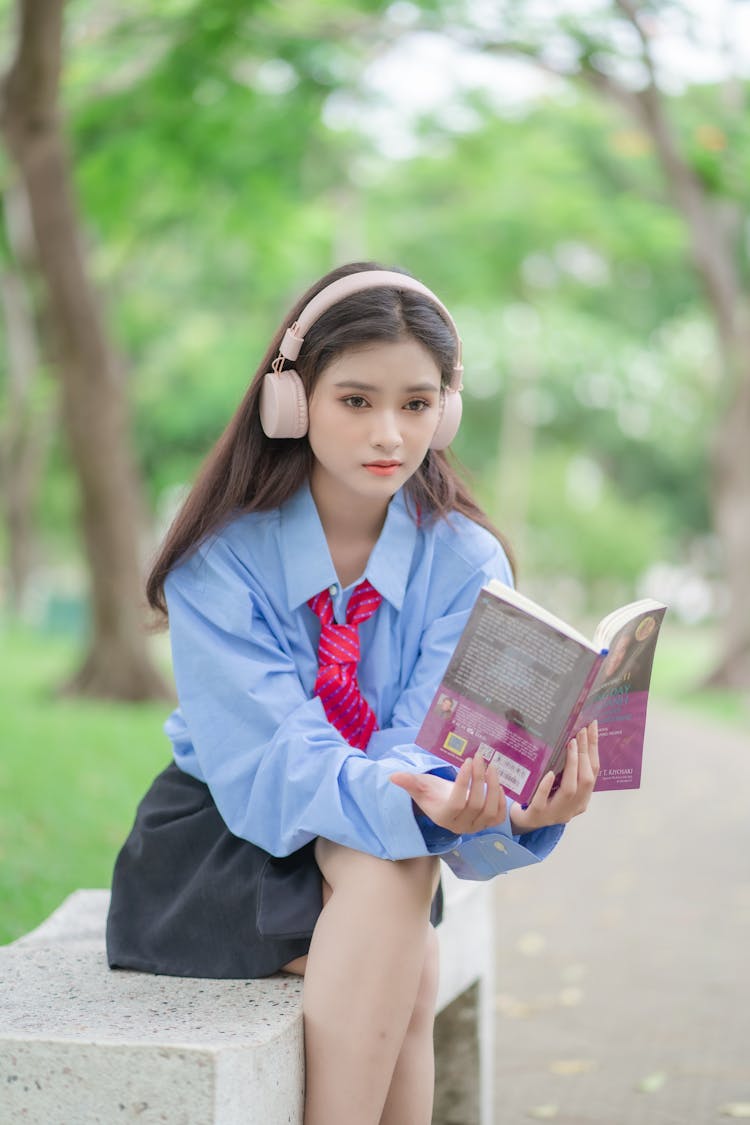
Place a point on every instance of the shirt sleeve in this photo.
(279, 773)
(493, 851)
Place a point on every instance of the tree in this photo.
(612, 52)
(26, 428)
(94, 409)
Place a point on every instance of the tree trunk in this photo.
(118, 663)
(24, 439)
(713, 232)
(731, 505)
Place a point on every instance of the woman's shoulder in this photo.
(242, 543)
(246, 530)
(465, 544)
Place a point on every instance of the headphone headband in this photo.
(283, 401)
(355, 283)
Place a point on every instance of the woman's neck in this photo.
(345, 517)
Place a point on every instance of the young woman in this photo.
(316, 581)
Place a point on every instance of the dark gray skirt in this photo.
(191, 899)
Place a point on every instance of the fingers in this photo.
(475, 800)
(407, 781)
(462, 786)
(486, 802)
(495, 797)
(594, 747)
(588, 757)
(577, 783)
(487, 797)
(478, 792)
(468, 797)
(580, 772)
(584, 763)
(544, 789)
(569, 780)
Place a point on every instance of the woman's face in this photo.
(373, 413)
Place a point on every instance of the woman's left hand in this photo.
(575, 789)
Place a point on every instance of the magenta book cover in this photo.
(621, 732)
(618, 700)
(517, 689)
(456, 728)
(509, 687)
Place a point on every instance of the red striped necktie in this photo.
(338, 656)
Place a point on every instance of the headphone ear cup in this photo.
(450, 419)
(283, 405)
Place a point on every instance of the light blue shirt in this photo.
(244, 646)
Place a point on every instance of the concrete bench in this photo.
(81, 1045)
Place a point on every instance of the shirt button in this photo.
(333, 590)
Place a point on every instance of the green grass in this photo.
(72, 771)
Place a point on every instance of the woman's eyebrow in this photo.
(351, 384)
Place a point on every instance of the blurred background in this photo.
(571, 178)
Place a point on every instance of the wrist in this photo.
(521, 819)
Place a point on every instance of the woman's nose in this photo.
(386, 432)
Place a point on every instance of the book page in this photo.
(514, 597)
(611, 625)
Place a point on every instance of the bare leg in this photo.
(362, 977)
(412, 1089)
(411, 1094)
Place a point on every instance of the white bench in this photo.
(81, 1045)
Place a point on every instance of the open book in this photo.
(522, 682)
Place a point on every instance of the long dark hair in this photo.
(247, 471)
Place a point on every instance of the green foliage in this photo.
(214, 188)
(629, 416)
(523, 191)
(578, 524)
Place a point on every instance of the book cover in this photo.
(521, 683)
(618, 700)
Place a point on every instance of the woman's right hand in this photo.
(474, 801)
(574, 793)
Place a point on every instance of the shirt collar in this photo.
(308, 567)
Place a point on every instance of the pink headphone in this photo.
(283, 403)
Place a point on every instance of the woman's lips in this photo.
(383, 468)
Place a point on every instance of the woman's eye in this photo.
(355, 401)
(417, 405)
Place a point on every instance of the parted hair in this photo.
(247, 471)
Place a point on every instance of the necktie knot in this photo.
(338, 655)
(339, 644)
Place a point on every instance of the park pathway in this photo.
(623, 967)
